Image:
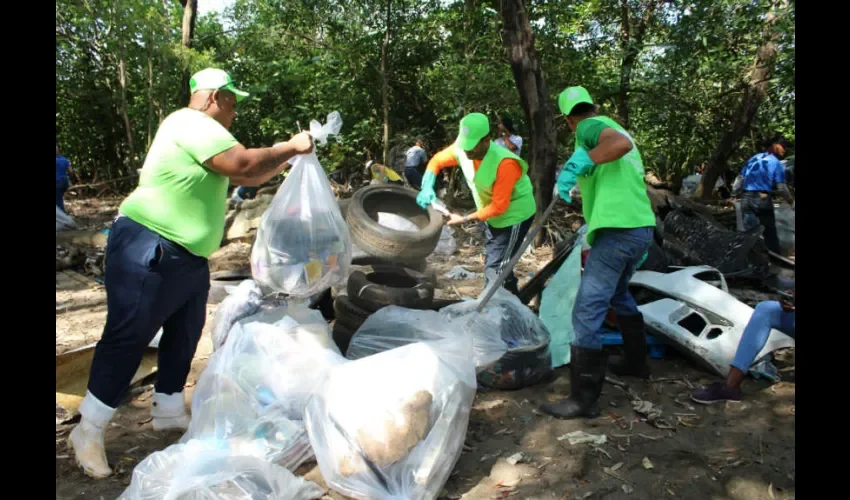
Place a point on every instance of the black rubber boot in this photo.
(633, 364)
(587, 374)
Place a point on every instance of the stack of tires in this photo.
(396, 272)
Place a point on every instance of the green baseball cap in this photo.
(214, 79)
(473, 128)
(571, 96)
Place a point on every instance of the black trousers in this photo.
(501, 245)
(756, 210)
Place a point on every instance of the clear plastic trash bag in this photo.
(303, 245)
(395, 326)
(397, 437)
(206, 471)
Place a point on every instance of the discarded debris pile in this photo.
(696, 240)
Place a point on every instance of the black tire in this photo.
(386, 243)
(324, 303)
(222, 279)
(417, 264)
(341, 336)
(349, 314)
(391, 285)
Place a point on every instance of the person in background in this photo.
(501, 189)
(415, 163)
(508, 137)
(780, 315)
(760, 180)
(383, 174)
(157, 272)
(63, 169)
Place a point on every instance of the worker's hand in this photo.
(787, 303)
(302, 143)
(580, 162)
(565, 183)
(455, 219)
(427, 194)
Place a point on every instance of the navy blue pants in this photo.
(414, 177)
(501, 245)
(61, 187)
(247, 193)
(610, 266)
(151, 282)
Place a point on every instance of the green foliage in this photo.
(303, 59)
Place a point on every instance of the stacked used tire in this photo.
(379, 286)
(397, 273)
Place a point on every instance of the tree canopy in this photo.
(675, 72)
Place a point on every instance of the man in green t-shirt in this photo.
(157, 273)
(609, 171)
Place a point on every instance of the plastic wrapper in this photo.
(242, 302)
(394, 437)
(303, 245)
(525, 357)
(395, 326)
(206, 471)
(557, 303)
(447, 244)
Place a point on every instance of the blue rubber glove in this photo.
(578, 164)
(426, 194)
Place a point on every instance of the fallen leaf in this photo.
(628, 489)
(515, 458)
(616, 466)
(770, 492)
(131, 450)
(647, 464)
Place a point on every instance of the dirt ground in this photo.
(738, 451)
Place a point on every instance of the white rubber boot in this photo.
(169, 412)
(87, 437)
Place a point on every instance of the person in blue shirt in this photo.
(759, 180)
(63, 168)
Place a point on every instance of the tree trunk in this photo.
(631, 42)
(518, 40)
(385, 87)
(190, 12)
(754, 93)
(122, 81)
(150, 89)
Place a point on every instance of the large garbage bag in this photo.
(201, 470)
(262, 375)
(395, 326)
(528, 359)
(392, 425)
(303, 245)
(242, 302)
